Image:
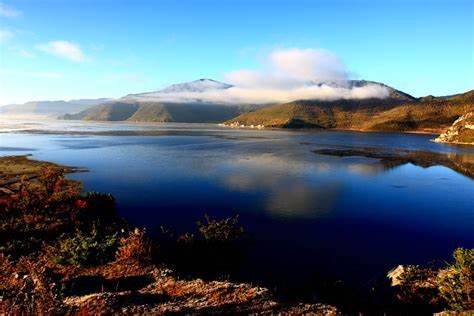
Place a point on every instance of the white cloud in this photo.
(292, 68)
(5, 35)
(8, 12)
(308, 64)
(250, 95)
(286, 75)
(63, 49)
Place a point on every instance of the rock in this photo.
(167, 294)
(461, 132)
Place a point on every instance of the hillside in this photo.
(428, 114)
(160, 112)
(175, 103)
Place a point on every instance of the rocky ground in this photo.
(461, 132)
(157, 291)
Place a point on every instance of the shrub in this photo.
(136, 247)
(456, 281)
(86, 249)
(216, 249)
(223, 231)
(418, 287)
(51, 194)
(94, 207)
(51, 179)
(28, 287)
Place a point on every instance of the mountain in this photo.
(185, 102)
(201, 85)
(180, 93)
(393, 94)
(160, 112)
(50, 108)
(176, 103)
(192, 102)
(398, 112)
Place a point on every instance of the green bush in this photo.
(456, 281)
(87, 249)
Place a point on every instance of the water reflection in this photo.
(302, 208)
(291, 186)
(393, 157)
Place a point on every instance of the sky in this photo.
(69, 49)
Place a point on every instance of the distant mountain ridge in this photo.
(51, 108)
(183, 103)
(160, 112)
(396, 111)
(199, 85)
(393, 93)
(155, 106)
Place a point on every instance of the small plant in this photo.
(216, 248)
(51, 179)
(86, 249)
(136, 247)
(456, 281)
(418, 287)
(223, 231)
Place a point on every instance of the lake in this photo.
(353, 218)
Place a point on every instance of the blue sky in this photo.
(83, 49)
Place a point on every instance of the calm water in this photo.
(348, 217)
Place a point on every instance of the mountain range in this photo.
(190, 102)
(176, 103)
(186, 102)
(398, 112)
(50, 108)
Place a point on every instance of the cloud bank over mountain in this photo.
(286, 75)
(290, 68)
